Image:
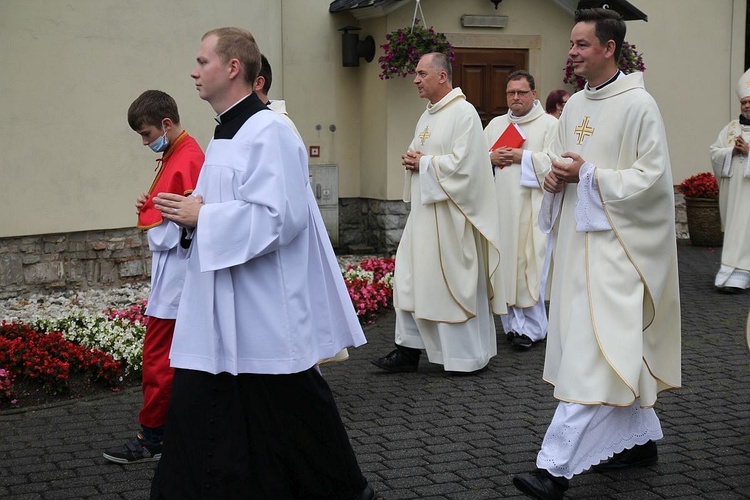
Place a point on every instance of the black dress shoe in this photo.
(397, 361)
(367, 494)
(541, 485)
(729, 290)
(639, 455)
(521, 341)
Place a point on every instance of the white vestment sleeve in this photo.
(430, 188)
(726, 169)
(589, 214)
(528, 175)
(163, 237)
(266, 205)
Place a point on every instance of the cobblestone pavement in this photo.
(431, 435)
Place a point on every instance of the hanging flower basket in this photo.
(630, 61)
(701, 193)
(404, 47)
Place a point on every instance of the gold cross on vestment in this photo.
(425, 134)
(583, 130)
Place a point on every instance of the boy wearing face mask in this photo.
(154, 116)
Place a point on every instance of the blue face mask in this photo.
(160, 144)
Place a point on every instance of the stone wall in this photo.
(375, 226)
(32, 264)
(371, 226)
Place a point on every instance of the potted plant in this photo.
(701, 192)
(630, 61)
(404, 47)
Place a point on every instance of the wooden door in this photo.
(482, 75)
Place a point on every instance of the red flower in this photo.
(701, 185)
(50, 359)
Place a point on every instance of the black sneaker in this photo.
(135, 450)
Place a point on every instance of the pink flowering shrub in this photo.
(370, 286)
(404, 48)
(133, 313)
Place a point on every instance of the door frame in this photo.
(533, 43)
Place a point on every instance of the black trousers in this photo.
(253, 437)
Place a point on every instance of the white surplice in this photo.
(263, 291)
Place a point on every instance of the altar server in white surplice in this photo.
(264, 300)
(731, 164)
(447, 276)
(519, 195)
(614, 322)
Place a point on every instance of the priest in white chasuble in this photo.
(523, 245)
(264, 300)
(730, 159)
(447, 277)
(614, 323)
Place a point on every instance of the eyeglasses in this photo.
(519, 93)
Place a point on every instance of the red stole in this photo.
(178, 173)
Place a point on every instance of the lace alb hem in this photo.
(580, 436)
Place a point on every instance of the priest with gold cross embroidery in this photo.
(614, 321)
(447, 279)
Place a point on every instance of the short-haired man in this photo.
(614, 322)
(730, 158)
(519, 195)
(154, 116)
(264, 300)
(262, 87)
(447, 275)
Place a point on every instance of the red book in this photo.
(512, 137)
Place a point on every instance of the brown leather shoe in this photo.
(541, 485)
(639, 455)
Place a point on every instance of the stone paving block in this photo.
(75, 493)
(442, 489)
(453, 467)
(447, 457)
(55, 476)
(395, 493)
(475, 493)
(476, 473)
(28, 487)
(407, 482)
